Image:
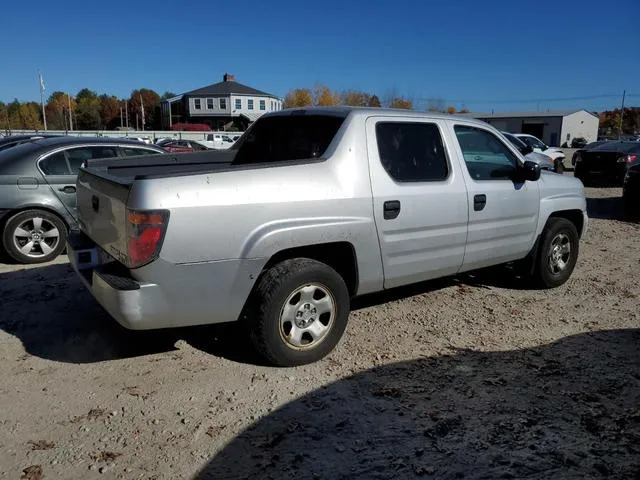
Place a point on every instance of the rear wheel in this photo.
(34, 236)
(297, 312)
(557, 255)
(559, 165)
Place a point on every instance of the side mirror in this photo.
(531, 171)
(527, 149)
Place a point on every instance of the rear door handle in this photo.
(391, 209)
(479, 202)
(68, 189)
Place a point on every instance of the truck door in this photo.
(419, 199)
(503, 212)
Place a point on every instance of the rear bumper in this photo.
(184, 295)
(135, 305)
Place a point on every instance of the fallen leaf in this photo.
(34, 472)
(104, 456)
(41, 444)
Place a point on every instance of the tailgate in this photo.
(102, 203)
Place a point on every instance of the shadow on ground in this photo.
(56, 318)
(563, 410)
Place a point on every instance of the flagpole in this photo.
(142, 108)
(44, 115)
(70, 123)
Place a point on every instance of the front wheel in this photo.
(559, 165)
(558, 253)
(297, 312)
(34, 236)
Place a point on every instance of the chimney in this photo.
(229, 78)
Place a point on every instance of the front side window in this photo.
(197, 104)
(238, 103)
(412, 152)
(210, 103)
(55, 164)
(262, 104)
(286, 138)
(486, 157)
(250, 104)
(223, 104)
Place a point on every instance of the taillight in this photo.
(145, 232)
(630, 158)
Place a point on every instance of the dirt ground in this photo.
(473, 377)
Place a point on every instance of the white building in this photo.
(221, 106)
(552, 127)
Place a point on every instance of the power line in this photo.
(529, 100)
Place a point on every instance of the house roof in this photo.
(228, 88)
(548, 113)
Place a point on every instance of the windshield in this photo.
(533, 142)
(283, 138)
(515, 141)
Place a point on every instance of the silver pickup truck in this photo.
(309, 208)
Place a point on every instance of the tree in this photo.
(150, 100)
(355, 98)
(167, 95)
(4, 117)
(57, 109)
(374, 101)
(30, 116)
(88, 110)
(299, 97)
(109, 111)
(399, 102)
(324, 97)
(451, 109)
(435, 104)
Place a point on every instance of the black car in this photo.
(38, 190)
(13, 140)
(631, 189)
(588, 146)
(607, 162)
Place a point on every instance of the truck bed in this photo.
(141, 167)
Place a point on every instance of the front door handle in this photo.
(391, 209)
(68, 189)
(479, 202)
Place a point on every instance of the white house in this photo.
(222, 105)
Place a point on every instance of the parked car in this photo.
(607, 162)
(557, 156)
(310, 207)
(527, 151)
(13, 140)
(631, 189)
(38, 191)
(578, 142)
(176, 146)
(588, 146)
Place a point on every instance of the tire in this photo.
(559, 165)
(285, 315)
(548, 271)
(45, 231)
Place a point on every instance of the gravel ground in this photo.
(472, 377)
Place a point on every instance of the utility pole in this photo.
(44, 115)
(142, 108)
(137, 126)
(126, 114)
(70, 119)
(624, 92)
(121, 124)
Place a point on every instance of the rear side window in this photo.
(55, 164)
(412, 152)
(486, 157)
(286, 138)
(131, 152)
(77, 156)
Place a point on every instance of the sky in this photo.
(483, 54)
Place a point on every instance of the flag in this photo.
(41, 83)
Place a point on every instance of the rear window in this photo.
(286, 138)
(623, 147)
(131, 152)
